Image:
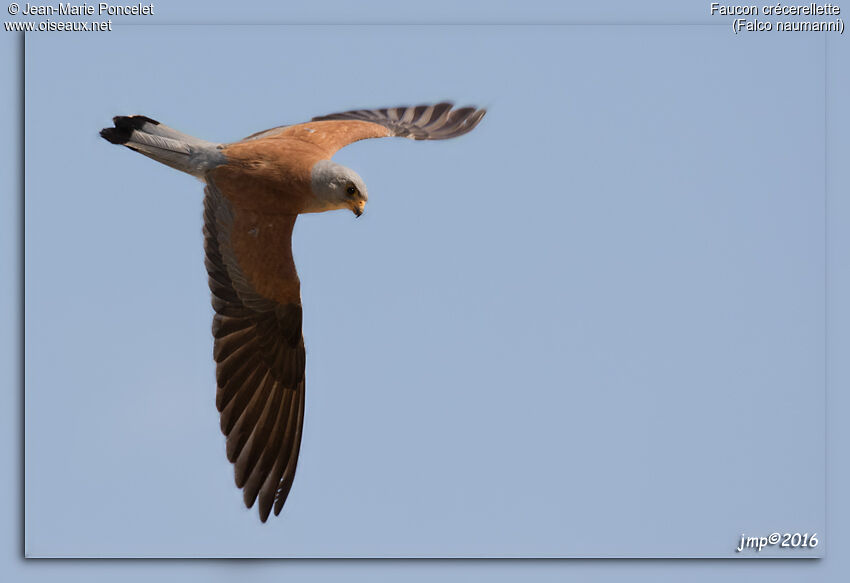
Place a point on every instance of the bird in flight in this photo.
(254, 190)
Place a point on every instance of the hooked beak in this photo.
(357, 211)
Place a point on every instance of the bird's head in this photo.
(338, 187)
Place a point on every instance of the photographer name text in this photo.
(86, 9)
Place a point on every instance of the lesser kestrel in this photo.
(255, 189)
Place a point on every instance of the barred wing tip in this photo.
(419, 122)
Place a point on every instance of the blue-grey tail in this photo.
(164, 144)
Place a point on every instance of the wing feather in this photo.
(259, 354)
(420, 122)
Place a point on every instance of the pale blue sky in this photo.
(624, 295)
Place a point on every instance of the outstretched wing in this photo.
(258, 348)
(420, 122)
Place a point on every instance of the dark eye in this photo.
(350, 190)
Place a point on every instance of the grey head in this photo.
(337, 187)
